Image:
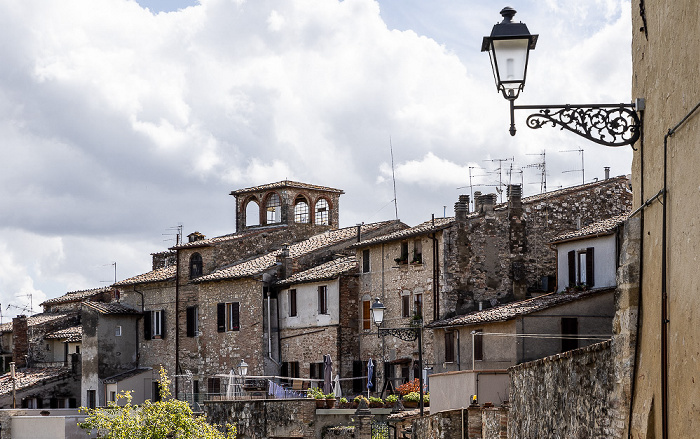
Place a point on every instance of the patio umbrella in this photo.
(230, 388)
(336, 387)
(327, 374)
(370, 371)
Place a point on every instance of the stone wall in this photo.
(261, 419)
(566, 395)
(474, 422)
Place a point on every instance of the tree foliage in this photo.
(165, 419)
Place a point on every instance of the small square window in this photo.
(117, 333)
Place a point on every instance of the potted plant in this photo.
(356, 401)
(391, 400)
(375, 402)
(317, 394)
(330, 400)
(410, 400)
(344, 403)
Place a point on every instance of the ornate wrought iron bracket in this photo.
(405, 334)
(605, 124)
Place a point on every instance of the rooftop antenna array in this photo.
(582, 171)
(177, 234)
(542, 166)
(113, 264)
(499, 169)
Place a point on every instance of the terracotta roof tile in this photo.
(604, 227)
(110, 308)
(286, 183)
(30, 377)
(258, 265)
(329, 270)
(512, 310)
(420, 229)
(231, 236)
(159, 275)
(38, 319)
(71, 335)
(75, 296)
(124, 375)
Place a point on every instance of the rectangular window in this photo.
(365, 261)
(479, 345)
(316, 371)
(404, 253)
(418, 305)
(449, 346)
(569, 332)
(117, 331)
(366, 315)
(154, 324)
(92, 399)
(233, 316)
(417, 252)
(322, 299)
(293, 303)
(214, 386)
(112, 396)
(192, 321)
(406, 306)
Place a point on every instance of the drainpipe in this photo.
(177, 318)
(269, 327)
(665, 318)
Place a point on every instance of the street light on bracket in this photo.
(509, 47)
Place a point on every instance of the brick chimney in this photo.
(20, 341)
(515, 194)
(607, 172)
(487, 203)
(284, 263)
(477, 201)
(462, 208)
(195, 236)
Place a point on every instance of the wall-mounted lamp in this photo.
(509, 48)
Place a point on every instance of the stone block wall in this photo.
(565, 395)
(262, 419)
(474, 422)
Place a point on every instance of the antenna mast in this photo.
(393, 178)
(542, 166)
(500, 167)
(582, 170)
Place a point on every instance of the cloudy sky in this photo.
(120, 120)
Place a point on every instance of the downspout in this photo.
(177, 318)
(436, 271)
(138, 355)
(269, 326)
(665, 320)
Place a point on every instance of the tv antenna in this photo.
(21, 308)
(114, 264)
(177, 234)
(542, 166)
(582, 171)
(393, 179)
(517, 171)
(500, 167)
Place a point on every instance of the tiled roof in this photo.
(38, 319)
(159, 275)
(286, 183)
(420, 229)
(568, 190)
(124, 375)
(30, 377)
(316, 242)
(75, 296)
(230, 237)
(512, 310)
(604, 227)
(110, 308)
(71, 335)
(329, 270)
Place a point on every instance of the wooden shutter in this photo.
(292, 303)
(366, 315)
(162, 323)
(572, 267)
(235, 316)
(590, 280)
(191, 314)
(220, 318)
(478, 345)
(147, 325)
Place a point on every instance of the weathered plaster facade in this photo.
(665, 37)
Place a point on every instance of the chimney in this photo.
(359, 232)
(195, 236)
(607, 172)
(284, 268)
(488, 202)
(462, 208)
(477, 201)
(515, 193)
(20, 341)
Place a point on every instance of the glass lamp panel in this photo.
(511, 61)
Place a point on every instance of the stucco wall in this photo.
(665, 65)
(604, 261)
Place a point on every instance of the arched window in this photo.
(274, 209)
(301, 210)
(252, 213)
(321, 218)
(195, 265)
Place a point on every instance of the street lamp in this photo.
(509, 48)
(408, 333)
(243, 368)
